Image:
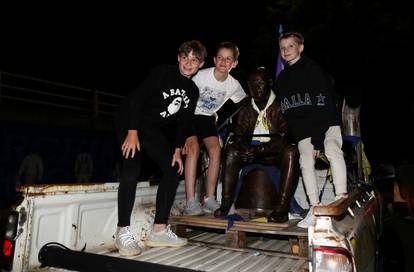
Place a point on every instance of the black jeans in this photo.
(160, 149)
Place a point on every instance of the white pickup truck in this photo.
(71, 227)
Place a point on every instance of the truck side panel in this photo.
(75, 216)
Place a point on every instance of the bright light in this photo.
(7, 248)
(327, 260)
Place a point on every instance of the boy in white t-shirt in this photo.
(216, 86)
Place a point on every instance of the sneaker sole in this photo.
(195, 214)
(160, 244)
(302, 226)
(209, 211)
(127, 254)
(294, 217)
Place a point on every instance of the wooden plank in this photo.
(209, 220)
(236, 235)
(288, 228)
(236, 239)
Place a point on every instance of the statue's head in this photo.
(260, 84)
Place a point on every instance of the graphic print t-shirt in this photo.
(213, 93)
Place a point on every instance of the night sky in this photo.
(111, 48)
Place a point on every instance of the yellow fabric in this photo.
(260, 219)
(262, 123)
(366, 166)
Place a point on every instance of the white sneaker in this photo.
(210, 205)
(126, 243)
(193, 207)
(293, 216)
(165, 238)
(308, 221)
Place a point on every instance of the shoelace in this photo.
(127, 238)
(194, 205)
(212, 204)
(170, 233)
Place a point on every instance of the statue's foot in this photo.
(278, 217)
(222, 211)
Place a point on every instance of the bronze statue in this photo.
(261, 136)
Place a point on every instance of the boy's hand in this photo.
(177, 159)
(131, 143)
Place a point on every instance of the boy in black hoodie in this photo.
(307, 98)
(165, 99)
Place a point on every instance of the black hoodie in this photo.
(308, 100)
(164, 99)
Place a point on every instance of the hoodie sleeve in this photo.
(136, 101)
(325, 113)
(317, 139)
(186, 118)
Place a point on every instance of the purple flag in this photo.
(280, 63)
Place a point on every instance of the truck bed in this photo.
(206, 251)
(79, 216)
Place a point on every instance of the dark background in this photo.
(365, 46)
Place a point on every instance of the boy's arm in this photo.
(239, 97)
(135, 104)
(325, 107)
(176, 159)
(186, 119)
(140, 96)
(245, 101)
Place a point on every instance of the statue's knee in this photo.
(291, 153)
(231, 153)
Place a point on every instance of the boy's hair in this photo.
(198, 49)
(299, 39)
(229, 45)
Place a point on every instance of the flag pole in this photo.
(280, 63)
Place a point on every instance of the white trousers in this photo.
(333, 151)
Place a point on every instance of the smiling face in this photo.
(290, 49)
(225, 60)
(189, 64)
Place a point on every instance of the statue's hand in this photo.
(247, 154)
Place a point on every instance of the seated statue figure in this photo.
(261, 136)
